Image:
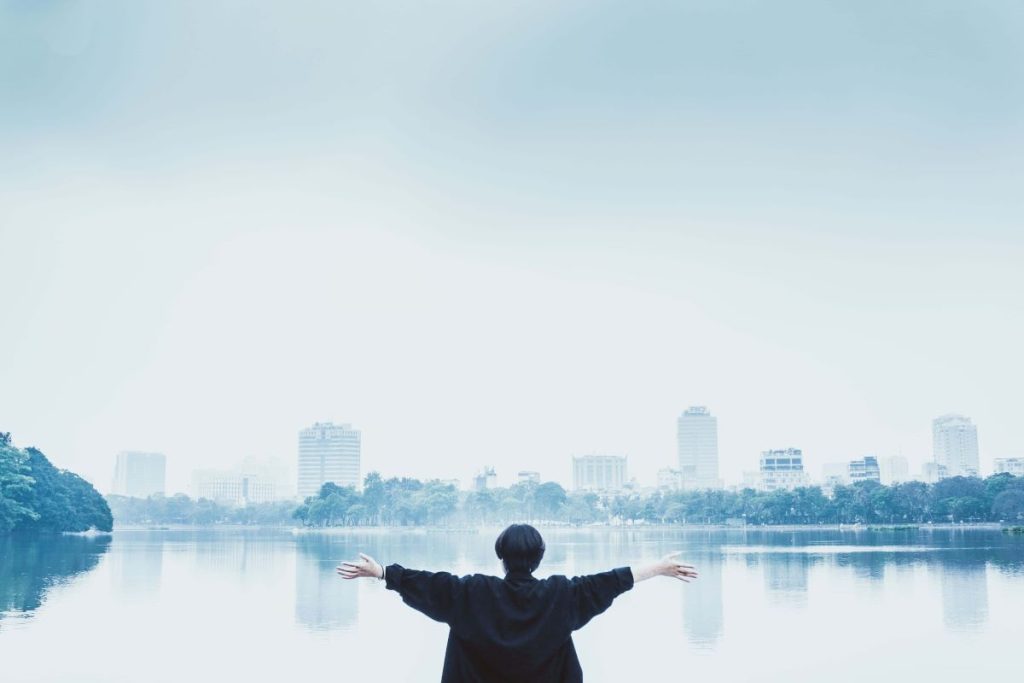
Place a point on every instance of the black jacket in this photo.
(509, 630)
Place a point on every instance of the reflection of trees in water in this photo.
(963, 576)
(29, 567)
(702, 603)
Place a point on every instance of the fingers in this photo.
(366, 558)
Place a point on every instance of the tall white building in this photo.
(328, 453)
(955, 445)
(697, 438)
(139, 474)
(598, 472)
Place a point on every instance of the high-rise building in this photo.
(782, 469)
(865, 469)
(894, 470)
(139, 474)
(697, 439)
(955, 445)
(598, 472)
(1014, 466)
(328, 453)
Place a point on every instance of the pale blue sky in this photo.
(509, 233)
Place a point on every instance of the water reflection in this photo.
(30, 567)
(137, 569)
(785, 578)
(702, 606)
(323, 601)
(964, 595)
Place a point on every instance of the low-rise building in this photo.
(932, 472)
(865, 469)
(528, 477)
(1014, 466)
(782, 470)
(670, 479)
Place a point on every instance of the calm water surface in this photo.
(241, 605)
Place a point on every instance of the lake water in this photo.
(265, 605)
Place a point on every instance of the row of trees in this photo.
(181, 509)
(406, 502)
(36, 497)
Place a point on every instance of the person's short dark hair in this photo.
(520, 547)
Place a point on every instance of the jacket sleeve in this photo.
(436, 594)
(593, 594)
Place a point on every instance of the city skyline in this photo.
(886, 470)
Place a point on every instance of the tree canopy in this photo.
(36, 497)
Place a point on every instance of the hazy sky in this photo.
(509, 233)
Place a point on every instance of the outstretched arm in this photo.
(666, 566)
(436, 594)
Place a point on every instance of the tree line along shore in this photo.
(403, 501)
(36, 497)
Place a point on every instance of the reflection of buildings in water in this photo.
(702, 606)
(323, 600)
(137, 566)
(964, 596)
(249, 556)
(785, 578)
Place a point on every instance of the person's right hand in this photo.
(671, 566)
(367, 566)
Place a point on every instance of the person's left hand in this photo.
(367, 566)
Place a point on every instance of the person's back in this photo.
(518, 628)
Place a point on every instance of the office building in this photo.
(865, 469)
(894, 470)
(697, 440)
(328, 453)
(139, 475)
(955, 445)
(234, 487)
(782, 469)
(598, 472)
(1014, 466)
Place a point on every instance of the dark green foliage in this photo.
(36, 497)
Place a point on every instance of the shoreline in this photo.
(299, 530)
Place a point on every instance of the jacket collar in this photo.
(519, 575)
